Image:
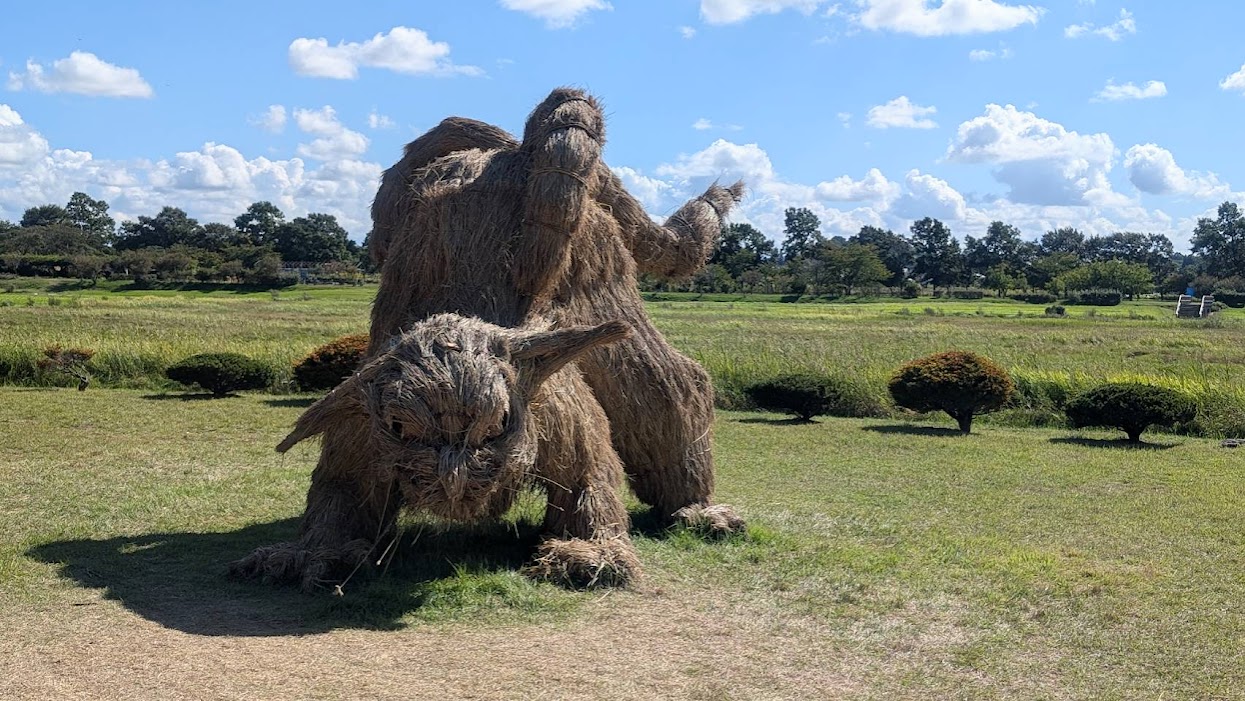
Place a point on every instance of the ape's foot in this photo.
(716, 520)
(312, 568)
(579, 563)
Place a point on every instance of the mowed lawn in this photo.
(883, 561)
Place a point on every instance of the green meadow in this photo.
(136, 334)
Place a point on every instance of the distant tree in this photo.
(91, 216)
(1046, 268)
(1001, 245)
(895, 251)
(45, 215)
(259, 223)
(1002, 278)
(316, 238)
(52, 239)
(803, 235)
(1063, 240)
(170, 227)
(938, 258)
(1154, 251)
(742, 247)
(851, 266)
(1128, 278)
(1221, 241)
(217, 236)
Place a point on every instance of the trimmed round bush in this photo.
(221, 373)
(325, 367)
(1131, 407)
(803, 394)
(960, 383)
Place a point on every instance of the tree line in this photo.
(877, 260)
(80, 239)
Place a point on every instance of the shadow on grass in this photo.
(910, 430)
(301, 402)
(178, 579)
(185, 396)
(789, 421)
(1111, 443)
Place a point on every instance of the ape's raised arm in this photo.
(680, 247)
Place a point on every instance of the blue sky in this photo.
(1089, 113)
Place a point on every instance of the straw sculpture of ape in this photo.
(456, 417)
(471, 221)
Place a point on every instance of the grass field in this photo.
(884, 560)
(136, 334)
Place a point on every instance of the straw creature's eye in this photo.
(396, 427)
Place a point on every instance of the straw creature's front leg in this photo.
(586, 542)
(349, 511)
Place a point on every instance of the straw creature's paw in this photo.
(579, 563)
(717, 520)
(310, 567)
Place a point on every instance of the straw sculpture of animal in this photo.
(537, 234)
(472, 221)
(457, 416)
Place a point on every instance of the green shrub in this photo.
(911, 289)
(1231, 298)
(807, 395)
(1095, 298)
(1056, 310)
(1034, 297)
(326, 366)
(1130, 406)
(221, 373)
(960, 383)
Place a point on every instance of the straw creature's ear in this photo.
(539, 354)
(345, 399)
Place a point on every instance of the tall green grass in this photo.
(137, 335)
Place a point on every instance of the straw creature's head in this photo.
(448, 406)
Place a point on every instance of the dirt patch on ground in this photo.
(627, 645)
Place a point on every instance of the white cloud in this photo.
(901, 113)
(1129, 91)
(403, 50)
(649, 191)
(272, 120)
(722, 160)
(82, 73)
(733, 11)
(557, 14)
(845, 118)
(1001, 54)
(1041, 161)
(874, 187)
(375, 120)
(702, 124)
(1236, 81)
(1153, 169)
(1116, 31)
(19, 144)
(945, 18)
(213, 183)
(928, 196)
(687, 32)
(335, 140)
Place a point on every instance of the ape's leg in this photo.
(586, 541)
(660, 406)
(350, 509)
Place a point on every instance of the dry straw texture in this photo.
(528, 235)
